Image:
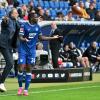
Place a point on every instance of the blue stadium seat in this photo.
(52, 4)
(53, 13)
(20, 2)
(66, 5)
(83, 46)
(99, 44)
(2, 12)
(84, 1)
(35, 3)
(26, 2)
(98, 1)
(57, 5)
(61, 4)
(98, 6)
(88, 44)
(46, 4)
(41, 3)
(64, 12)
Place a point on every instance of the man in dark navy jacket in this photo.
(8, 38)
(55, 44)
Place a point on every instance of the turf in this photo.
(89, 90)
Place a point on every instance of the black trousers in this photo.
(55, 54)
(7, 54)
(16, 67)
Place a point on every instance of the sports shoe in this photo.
(20, 91)
(93, 69)
(2, 88)
(25, 93)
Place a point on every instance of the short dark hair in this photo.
(31, 15)
(73, 2)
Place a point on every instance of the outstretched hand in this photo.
(56, 36)
(27, 40)
(5, 19)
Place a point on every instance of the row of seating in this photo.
(24, 2)
(54, 6)
(47, 4)
(86, 44)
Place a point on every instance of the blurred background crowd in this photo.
(59, 10)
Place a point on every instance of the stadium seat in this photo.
(67, 64)
(83, 46)
(66, 5)
(20, 2)
(57, 5)
(35, 3)
(98, 6)
(84, 1)
(61, 4)
(53, 13)
(88, 44)
(52, 4)
(46, 5)
(64, 12)
(41, 3)
(2, 12)
(26, 2)
(99, 44)
(98, 1)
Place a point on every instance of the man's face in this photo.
(47, 12)
(15, 14)
(70, 14)
(98, 13)
(41, 12)
(91, 6)
(66, 48)
(24, 7)
(71, 45)
(94, 44)
(53, 25)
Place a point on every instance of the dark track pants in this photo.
(7, 54)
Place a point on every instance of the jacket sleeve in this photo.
(14, 43)
(59, 32)
(11, 28)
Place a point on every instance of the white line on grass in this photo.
(54, 90)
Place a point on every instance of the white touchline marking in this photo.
(53, 90)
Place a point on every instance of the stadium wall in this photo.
(80, 32)
(62, 75)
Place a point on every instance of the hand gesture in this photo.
(56, 36)
(27, 40)
(5, 19)
(98, 58)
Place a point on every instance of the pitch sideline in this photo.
(54, 90)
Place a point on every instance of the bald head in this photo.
(53, 25)
(94, 44)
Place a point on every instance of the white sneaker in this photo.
(2, 88)
(93, 68)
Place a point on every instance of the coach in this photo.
(9, 30)
(55, 44)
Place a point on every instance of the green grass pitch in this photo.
(88, 90)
